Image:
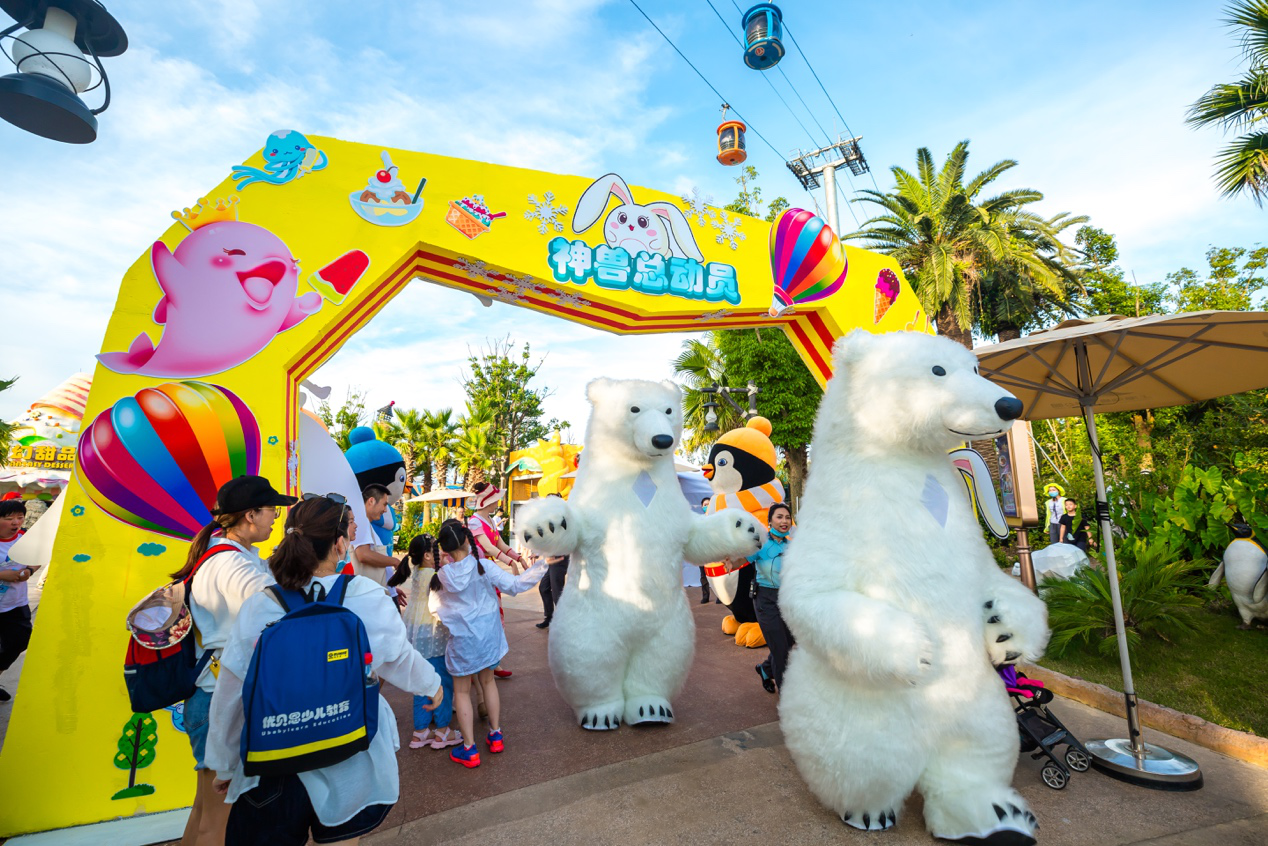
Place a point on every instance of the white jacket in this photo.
(222, 584)
(468, 606)
(367, 778)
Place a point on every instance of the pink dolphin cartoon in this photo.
(227, 290)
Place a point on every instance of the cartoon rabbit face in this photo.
(658, 228)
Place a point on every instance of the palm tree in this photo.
(408, 433)
(1239, 105)
(474, 450)
(441, 432)
(700, 365)
(1012, 298)
(946, 238)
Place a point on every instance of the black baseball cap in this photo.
(247, 492)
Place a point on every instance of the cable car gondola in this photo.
(763, 29)
(731, 141)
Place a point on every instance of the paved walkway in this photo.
(722, 774)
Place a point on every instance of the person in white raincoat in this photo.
(464, 599)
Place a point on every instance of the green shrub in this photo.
(1154, 583)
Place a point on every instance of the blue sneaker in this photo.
(495, 741)
(468, 756)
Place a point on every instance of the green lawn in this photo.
(1218, 673)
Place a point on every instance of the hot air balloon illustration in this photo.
(806, 260)
(155, 460)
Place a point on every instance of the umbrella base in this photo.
(1158, 768)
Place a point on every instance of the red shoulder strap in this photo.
(218, 548)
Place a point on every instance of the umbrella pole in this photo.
(1130, 759)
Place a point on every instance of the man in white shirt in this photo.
(370, 559)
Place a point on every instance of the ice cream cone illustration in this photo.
(471, 216)
(886, 293)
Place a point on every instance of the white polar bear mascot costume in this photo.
(622, 637)
(897, 605)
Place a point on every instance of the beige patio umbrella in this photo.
(1119, 363)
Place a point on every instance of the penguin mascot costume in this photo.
(741, 471)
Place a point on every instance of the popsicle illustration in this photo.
(336, 280)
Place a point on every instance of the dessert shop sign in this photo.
(648, 273)
(43, 456)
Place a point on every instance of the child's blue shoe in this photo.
(495, 741)
(468, 756)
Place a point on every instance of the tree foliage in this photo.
(1241, 105)
(6, 429)
(135, 751)
(948, 238)
(499, 383)
(340, 422)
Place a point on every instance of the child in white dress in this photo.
(464, 598)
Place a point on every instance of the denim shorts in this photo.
(197, 714)
(278, 812)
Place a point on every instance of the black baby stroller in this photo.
(1041, 731)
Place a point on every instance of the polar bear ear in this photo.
(851, 348)
(598, 389)
(673, 386)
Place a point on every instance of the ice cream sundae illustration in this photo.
(385, 200)
(471, 216)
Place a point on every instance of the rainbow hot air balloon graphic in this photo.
(156, 460)
(806, 260)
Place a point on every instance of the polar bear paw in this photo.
(601, 717)
(648, 710)
(1011, 635)
(882, 820)
(548, 526)
(1004, 820)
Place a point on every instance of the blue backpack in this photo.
(310, 698)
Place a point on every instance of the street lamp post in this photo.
(716, 390)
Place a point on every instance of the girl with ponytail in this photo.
(243, 516)
(352, 797)
(464, 597)
(430, 637)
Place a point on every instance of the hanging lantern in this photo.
(763, 29)
(731, 141)
(52, 71)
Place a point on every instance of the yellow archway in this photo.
(276, 269)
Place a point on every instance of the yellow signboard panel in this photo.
(254, 288)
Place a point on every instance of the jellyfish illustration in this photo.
(806, 259)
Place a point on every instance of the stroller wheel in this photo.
(1054, 777)
(1076, 760)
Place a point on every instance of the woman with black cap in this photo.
(243, 516)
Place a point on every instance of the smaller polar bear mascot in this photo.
(622, 637)
(897, 605)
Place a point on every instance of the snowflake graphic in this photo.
(77, 510)
(698, 204)
(507, 295)
(728, 230)
(572, 300)
(272, 440)
(522, 284)
(476, 270)
(712, 315)
(546, 213)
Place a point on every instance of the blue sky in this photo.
(1089, 97)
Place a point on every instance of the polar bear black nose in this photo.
(1008, 408)
(666, 441)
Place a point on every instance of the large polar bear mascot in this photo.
(897, 605)
(622, 637)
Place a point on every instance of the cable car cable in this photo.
(705, 79)
(723, 20)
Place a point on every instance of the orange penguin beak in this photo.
(707, 470)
